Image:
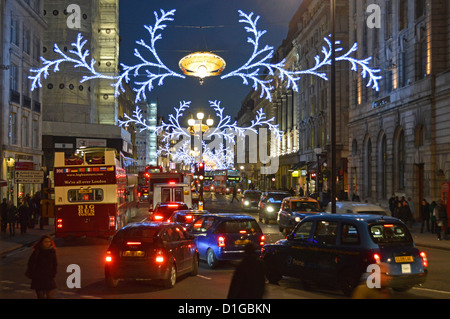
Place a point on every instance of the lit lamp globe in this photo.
(202, 65)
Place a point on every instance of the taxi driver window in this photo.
(349, 235)
(303, 231)
(326, 233)
(305, 206)
(203, 224)
(390, 233)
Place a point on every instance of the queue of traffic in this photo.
(319, 247)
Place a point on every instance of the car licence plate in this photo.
(404, 259)
(240, 242)
(133, 253)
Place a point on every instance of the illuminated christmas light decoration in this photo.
(250, 71)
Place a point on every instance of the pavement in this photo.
(9, 244)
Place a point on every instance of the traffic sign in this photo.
(29, 177)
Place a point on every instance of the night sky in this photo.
(202, 25)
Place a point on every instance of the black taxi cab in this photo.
(293, 210)
(338, 249)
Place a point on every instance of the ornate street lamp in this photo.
(202, 65)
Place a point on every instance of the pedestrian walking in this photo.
(4, 215)
(42, 266)
(392, 204)
(234, 195)
(248, 281)
(398, 211)
(425, 215)
(441, 219)
(24, 216)
(12, 218)
(432, 217)
(407, 214)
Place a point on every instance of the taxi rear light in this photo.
(172, 205)
(242, 232)
(108, 257)
(377, 258)
(424, 259)
(388, 225)
(159, 259)
(221, 241)
(158, 217)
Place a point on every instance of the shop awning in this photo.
(3, 183)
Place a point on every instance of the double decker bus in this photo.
(225, 180)
(95, 192)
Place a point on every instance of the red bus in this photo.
(94, 194)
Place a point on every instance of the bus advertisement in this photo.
(94, 194)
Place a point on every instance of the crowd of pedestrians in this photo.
(25, 216)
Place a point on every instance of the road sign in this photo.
(29, 177)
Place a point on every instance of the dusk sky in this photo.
(221, 33)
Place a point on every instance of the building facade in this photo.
(22, 28)
(84, 114)
(399, 137)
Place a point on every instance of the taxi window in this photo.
(142, 234)
(305, 206)
(303, 231)
(236, 226)
(349, 235)
(325, 233)
(390, 233)
(85, 195)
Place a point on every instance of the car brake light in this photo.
(221, 241)
(263, 238)
(377, 258)
(108, 257)
(157, 217)
(242, 232)
(133, 243)
(388, 225)
(159, 258)
(424, 259)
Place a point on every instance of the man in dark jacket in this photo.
(249, 278)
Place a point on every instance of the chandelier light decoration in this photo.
(224, 136)
(202, 64)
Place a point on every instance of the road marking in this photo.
(432, 290)
(207, 278)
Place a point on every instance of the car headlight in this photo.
(270, 209)
(298, 219)
(227, 189)
(246, 203)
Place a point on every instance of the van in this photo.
(357, 208)
(172, 192)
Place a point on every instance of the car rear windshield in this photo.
(390, 233)
(277, 198)
(250, 226)
(305, 206)
(142, 234)
(252, 195)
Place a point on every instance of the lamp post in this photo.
(333, 106)
(198, 126)
(318, 152)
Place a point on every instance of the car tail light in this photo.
(221, 241)
(424, 259)
(262, 240)
(159, 259)
(108, 257)
(172, 205)
(59, 223)
(112, 221)
(377, 258)
(157, 217)
(133, 243)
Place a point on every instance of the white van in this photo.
(357, 208)
(172, 192)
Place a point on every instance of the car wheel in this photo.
(172, 278)
(195, 266)
(347, 282)
(211, 259)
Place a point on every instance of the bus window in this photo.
(179, 197)
(85, 195)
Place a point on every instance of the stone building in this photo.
(22, 28)
(399, 137)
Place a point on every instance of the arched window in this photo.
(381, 167)
(399, 161)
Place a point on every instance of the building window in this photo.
(388, 20)
(25, 135)
(420, 8)
(12, 128)
(403, 14)
(367, 169)
(400, 161)
(14, 78)
(402, 68)
(26, 41)
(35, 136)
(14, 30)
(381, 170)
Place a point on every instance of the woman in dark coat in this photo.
(42, 268)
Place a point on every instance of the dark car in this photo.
(293, 210)
(337, 249)
(250, 199)
(186, 217)
(221, 237)
(269, 205)
(149, 250)
(163, 211)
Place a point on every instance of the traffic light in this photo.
(201, 169)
